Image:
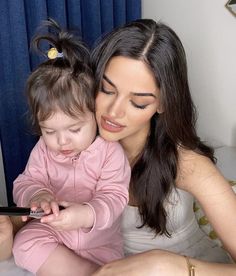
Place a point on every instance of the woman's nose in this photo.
(117, 108)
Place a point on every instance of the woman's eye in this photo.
(139, 106)
(106, 91)
(75, 130)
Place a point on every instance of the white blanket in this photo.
(9, 268)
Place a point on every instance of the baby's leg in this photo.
(41, 250)
(33, 244)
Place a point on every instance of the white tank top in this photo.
(186, 236)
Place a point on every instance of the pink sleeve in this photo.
(34, 178)
(112, 188)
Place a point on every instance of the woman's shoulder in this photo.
(193, 168)
(190, 159)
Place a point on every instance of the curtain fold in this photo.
(19, 20)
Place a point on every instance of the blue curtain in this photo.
(18, 22)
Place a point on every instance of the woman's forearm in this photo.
(177, 263)
(213, 269)
(163, 263)
(171, 262)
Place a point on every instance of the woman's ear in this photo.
(160, 108)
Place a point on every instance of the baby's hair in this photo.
(64, 82)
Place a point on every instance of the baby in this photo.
(70, 166)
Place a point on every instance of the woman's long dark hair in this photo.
(155, 171)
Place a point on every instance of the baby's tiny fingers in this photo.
(48, 219)
(55, 208)
(34, 205)
(45, 205)
(24, 218)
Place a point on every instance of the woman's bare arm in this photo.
(162, 263)
(200, 177)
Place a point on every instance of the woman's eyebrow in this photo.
(143, 94)
(139, 94)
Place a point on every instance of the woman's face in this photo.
(127, 99)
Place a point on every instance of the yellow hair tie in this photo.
(53, 53)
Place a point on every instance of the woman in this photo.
(143, 101)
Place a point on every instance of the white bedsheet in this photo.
(9, 268)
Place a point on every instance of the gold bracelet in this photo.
(191, 267)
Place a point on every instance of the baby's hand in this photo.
(73, 217)
(45, 201)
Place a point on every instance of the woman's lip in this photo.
(110, 125)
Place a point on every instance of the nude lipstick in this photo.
(111, 125)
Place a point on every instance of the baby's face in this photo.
(68, 135)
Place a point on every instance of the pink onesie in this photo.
(99, 177)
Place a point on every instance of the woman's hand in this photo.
(73, 217)
(150, 263)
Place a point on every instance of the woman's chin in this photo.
(108, 136)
